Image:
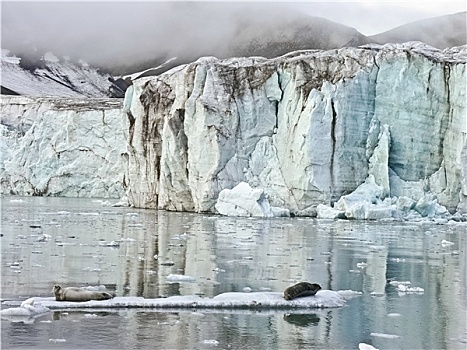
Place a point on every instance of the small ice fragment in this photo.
(247, 290)
(384, 335)
(405, 289)
(180, 278)
(109, 244)
(363, 346)
(210, 342)
(362, 265)
(393, 315)
(445, 243)
(57, 340)
(396, 283)
(90, 315)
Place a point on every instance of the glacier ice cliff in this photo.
(307, 128)
(362, 133)
(62, 147)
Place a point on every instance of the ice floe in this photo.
(231, 300)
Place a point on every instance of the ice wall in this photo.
(62, 147)
(307, 128)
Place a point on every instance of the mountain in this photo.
(247, 34)
(50, 76)
(440, 32)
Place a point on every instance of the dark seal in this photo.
(301, 289)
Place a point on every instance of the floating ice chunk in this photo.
(396, 283)
(247, 290)
(364, 346)
(242, 200)
(404, 289)
(362, 265)
(384, 335)
(326, 212)
(445, 243)
(180, 278)
(210, 342)
(124, 202)
(393, 315)
(58, 340)
(109, 244)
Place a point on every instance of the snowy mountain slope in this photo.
(53, 77)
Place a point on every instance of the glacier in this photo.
(62, 147)
(307, 128)
(365, 133)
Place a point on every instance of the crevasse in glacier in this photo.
(307, 128)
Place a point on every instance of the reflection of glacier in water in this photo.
(138, 252)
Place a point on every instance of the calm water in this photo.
(224, 255)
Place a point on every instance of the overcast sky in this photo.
(108, 26)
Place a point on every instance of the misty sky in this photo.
(115, 30)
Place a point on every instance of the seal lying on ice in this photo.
(301, 289)
(78, 294)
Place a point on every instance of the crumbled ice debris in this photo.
(28, 308)
(132, 214)
(210, 342)
(109, 244)
(90, 315)
(180, 278)
(364, 346)
(59, 340)
(135, 225)
(384, 335)
(404, 289)
(16, 201)
(106, 204)
(124, 202)
(445, 243)
(396, 283)
(128, 240)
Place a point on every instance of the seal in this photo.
(301, 289)
(78, 294)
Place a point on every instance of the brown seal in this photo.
(78, 294)
(301, 289)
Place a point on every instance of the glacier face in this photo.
(307, 128)
(62, 147)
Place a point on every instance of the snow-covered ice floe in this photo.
(232, 300)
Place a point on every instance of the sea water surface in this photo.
(132, 252)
